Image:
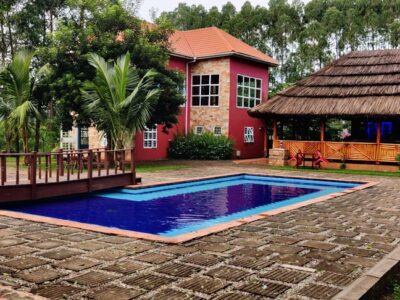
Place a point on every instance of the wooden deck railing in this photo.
(353, 151)
(92, 169)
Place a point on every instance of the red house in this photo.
(224, 77)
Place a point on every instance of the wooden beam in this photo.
(274, 131)
(378, 132)
(322, 130)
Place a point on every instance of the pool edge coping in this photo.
(199, 233)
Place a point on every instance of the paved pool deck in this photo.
(313, 252)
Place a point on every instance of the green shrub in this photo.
(396, 291)
(206, 147)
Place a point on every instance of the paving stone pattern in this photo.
(309, 253)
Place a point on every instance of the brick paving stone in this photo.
(284, 275)
(6, 242)
(217, 239)
(16, 251)
(7, 232)
(91, 246)
(335, 279)
(154, 258)
(29, 228)
(167, 294)
(64, 230)
(251, 263)
(335, 267)
(360, 252)
(378, 238)
(228, 273)
(360, 261)
(5, 270)
(39, 275)
(46, 244)
(236, 296)
(349, 242)
(25, 262)
(78, 237)
(284, 249)
(76, 264)
(203, 285)
(125, 267)
(60, 254)
(178, 250)
(56, 291)
(206, 260)
(214, 247)
(177, 270)
(319, 291)
(318, 245)
(116, 240)
(343, 233)
(248, 242)
(148, 281)
(265, 289)
(115, 293)
(38, 236)
(310, 236)
(382, 247)
(292, 259)
(282, 239)
(108, 254)
(311, 229)
(251, 252)
(134, 248)
(92, 278)
(323, 255)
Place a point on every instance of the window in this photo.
(248, 91)
(199, 130)
(66, 134)
(182, 91)
(217, 130)
(249, 135)
(150, 137)
(84, 138)
(67, 146)
(205, 90)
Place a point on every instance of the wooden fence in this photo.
(64, 172)
(351, 151)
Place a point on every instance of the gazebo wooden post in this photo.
(322, 136)
(274, 132)
(378, 142)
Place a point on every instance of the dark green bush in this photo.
(206, 147)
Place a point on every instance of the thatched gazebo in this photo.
(349, 110)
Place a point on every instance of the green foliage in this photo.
(119, 100)
(204, 147)
(398, 158)
(396, 291)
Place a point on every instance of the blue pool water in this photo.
(174, 209)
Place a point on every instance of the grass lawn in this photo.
(154, 168)
(340, 171)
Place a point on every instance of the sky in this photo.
(168, 5)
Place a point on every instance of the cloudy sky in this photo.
(168, 5)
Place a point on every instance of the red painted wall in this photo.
(163, 139)
(238, 117)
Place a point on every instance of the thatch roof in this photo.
(361, 83)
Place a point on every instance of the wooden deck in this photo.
(349, 151)
(44, 175)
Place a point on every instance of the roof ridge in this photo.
(219, 32)
(187, 42)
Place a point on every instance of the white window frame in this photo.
(150, 138)
(197, 128)
(255, 99)
(65, 134)
(67, 146)
(217, 128)
(249, 135)
(210, 85)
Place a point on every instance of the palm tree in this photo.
(119, 101)
(18, 107)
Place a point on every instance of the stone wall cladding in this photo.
(209, 117)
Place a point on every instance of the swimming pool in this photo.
(173, 210)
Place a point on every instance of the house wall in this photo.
(239, 117)
(163, 139)
(218, 115)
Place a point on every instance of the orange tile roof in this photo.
(214, 42)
